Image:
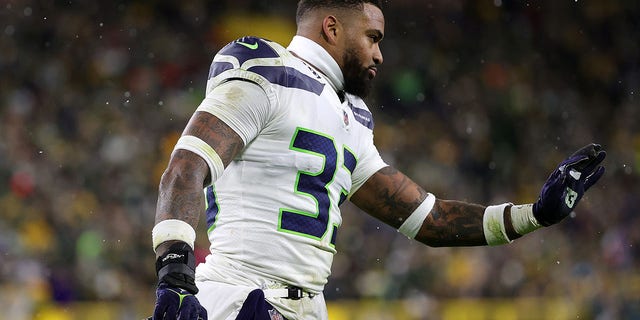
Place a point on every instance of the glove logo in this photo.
(172, 256)
(570, 198)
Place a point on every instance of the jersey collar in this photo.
(317, 56)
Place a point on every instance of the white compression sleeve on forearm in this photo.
(173, 229)
(523, 220)
(412, 225)
(495, 232)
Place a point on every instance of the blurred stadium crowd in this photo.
(476, 100)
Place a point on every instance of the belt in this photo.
(293, 293)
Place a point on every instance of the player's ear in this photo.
(330, 29)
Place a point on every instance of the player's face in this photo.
(362, 50)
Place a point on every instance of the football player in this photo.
(280, 140)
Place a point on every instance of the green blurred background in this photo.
(476, 100)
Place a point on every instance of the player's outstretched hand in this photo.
(177, 304)
(567, 184)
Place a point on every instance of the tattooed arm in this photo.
(391, 197)
(180, 192)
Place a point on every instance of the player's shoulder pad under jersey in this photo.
(236, 53)
(243, 49)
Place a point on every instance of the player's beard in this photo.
(356, 77)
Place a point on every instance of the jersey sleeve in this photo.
(242, 105)
(368, 164)
(236, 93)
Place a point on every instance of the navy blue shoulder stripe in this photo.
(284, 76)
(363, 116)
(289, 77)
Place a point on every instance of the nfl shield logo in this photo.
(275, 315)
(345, 118)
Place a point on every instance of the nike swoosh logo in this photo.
(248, 45)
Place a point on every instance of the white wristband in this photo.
(173, 229)
(493, 225)
(523, 220)
(411, 226)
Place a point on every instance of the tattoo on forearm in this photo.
(454, 223)
(180, 195)
(394, 197)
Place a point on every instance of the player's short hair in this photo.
(305, 6)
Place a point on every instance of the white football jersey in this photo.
(274, 212)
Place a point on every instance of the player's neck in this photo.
(316, 56)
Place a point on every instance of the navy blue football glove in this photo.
(568, 183)
(175, 298)
(177, 304)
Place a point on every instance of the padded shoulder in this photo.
(242, 50)
(267, 59)
(248, 48)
